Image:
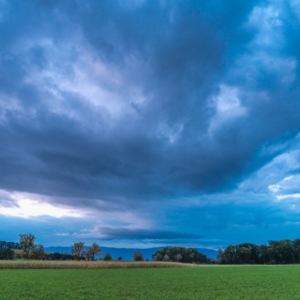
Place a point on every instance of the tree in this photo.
(107, 257)
(10, 245)
(166, 258)
(78, 250)
(27, 242)
(6, 253)
(277, 252)
(188, 255)
(3, 245)
(138, 256)
(37, 252)
(93, 251)
(177, 257)
(157, 257)
(58, 256)
(220, 256)
(120, 258)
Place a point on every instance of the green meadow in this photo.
(204, 282)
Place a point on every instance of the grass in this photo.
(230, 282)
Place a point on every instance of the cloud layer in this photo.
(173, 113)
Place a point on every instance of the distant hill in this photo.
(210, 253)
(127, 253)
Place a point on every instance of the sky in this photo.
(147, 123)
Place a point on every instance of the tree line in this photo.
(10, 245)
(275, 252)
(181, 254)
(28, 249)
(6, 251)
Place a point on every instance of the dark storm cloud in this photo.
(143, 234)
(55, 141)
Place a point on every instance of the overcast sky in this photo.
(145, 123)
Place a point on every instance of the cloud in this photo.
(109, 148)
(129, 107)
(6, 200)
(25, 206)
(142, 234)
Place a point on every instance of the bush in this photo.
(107, 257)
(6, 254)
(138, 256)
(59, 256)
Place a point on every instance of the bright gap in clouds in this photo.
(25, 207)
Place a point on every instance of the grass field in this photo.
(207, 282)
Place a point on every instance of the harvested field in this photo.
(44, 264)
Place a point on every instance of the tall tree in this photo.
(37, 252)
(78, 250)
(93, 250)
(27, 242)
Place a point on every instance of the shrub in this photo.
(138, 256)
(107, 257)
(6, 254)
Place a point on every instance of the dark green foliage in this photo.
(138, 256)
(27, 242)
(6, 253)
(277, 252)
(107, 257)
(37, 252)
(29, 248)
(93, 250)
(59, 256)
(10, 245)
(180, 254)
(78, 251)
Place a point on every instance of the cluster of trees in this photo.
(276, 252)
(79, 252)
(58, 256)
(26, 248)
(6, 251)
(29, 248)
(10, 245)
(181, 254)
